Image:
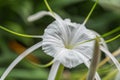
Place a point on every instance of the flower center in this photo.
(69, 47)
(61, 40)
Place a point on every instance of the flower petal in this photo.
(70, 58)
(111, 56)
(19, 58)
(54, 70)
(57, 34)
(86, 49)
(81, 34)
(41, 14)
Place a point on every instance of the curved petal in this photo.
(41, 14)
(87, 63)
(70, 58)
(54, 70)
(117, 64)
(19, 58)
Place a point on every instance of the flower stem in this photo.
(59, 72)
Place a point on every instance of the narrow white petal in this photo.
(63, 27)
(41, 14)
(19, 58)
(96, 75)
(111, 56)
(37, 16)
(54, 70)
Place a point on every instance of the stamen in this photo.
(18, 34)
(84, 42)
(107, 41)
(90, 12)
(46, 65)
(112, 39)
(111, 32)
(46, 3)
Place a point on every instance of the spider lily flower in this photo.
(61, 41)
(67, 42)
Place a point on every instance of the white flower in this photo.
(65, 42)
(61, 40)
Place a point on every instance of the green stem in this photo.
(59, 73)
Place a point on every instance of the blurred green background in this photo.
(13, 15)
